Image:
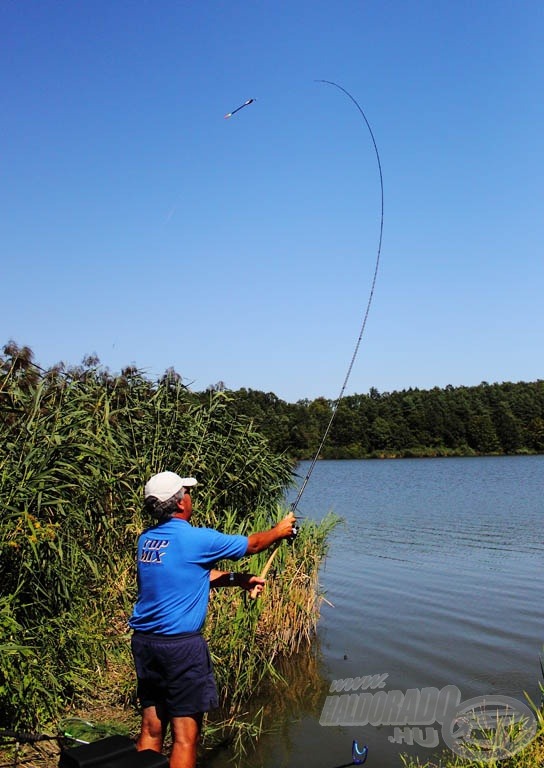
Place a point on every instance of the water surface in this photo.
(435, 578)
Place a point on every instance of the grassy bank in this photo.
(532, 756)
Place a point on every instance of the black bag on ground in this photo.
(111, 752)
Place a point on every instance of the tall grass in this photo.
(76, 447)
(248, 637)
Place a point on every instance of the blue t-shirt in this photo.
(174, 563)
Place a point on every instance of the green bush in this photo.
(76, 447)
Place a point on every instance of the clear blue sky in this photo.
(139, 225)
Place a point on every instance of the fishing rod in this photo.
(293, 506)
(295, 503)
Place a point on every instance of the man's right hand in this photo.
(286, 527)
(257, 542)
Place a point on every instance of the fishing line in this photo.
(294, 504)
(360, 757)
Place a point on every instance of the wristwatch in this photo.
(232, 576)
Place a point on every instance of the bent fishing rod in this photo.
(293, 506)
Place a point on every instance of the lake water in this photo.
(434, 579)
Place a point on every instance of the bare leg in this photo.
(153, 730)
(186, 736)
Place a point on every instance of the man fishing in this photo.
(176, 685)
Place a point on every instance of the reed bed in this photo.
(254, 634)
(76, 447)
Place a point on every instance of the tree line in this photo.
(488, 419)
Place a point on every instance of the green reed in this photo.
(76, 447)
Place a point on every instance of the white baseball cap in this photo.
(164, 485)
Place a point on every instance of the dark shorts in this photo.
(174, 673)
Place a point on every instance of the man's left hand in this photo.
(250, 582)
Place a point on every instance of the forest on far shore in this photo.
(488, 419)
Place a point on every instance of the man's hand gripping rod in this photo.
(263, 574)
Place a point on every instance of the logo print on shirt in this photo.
(153, 550)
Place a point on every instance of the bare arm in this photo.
(243, 580)
(219, 578)
(257, 542)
